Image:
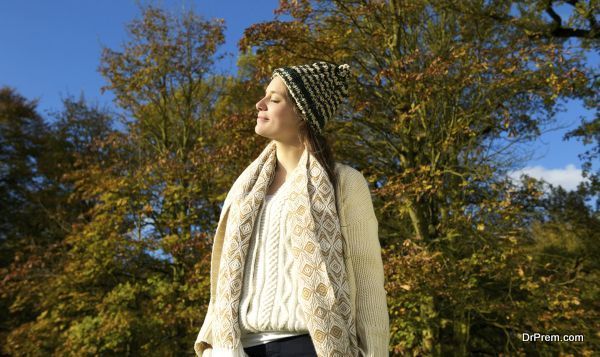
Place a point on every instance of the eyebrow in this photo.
(272, 91)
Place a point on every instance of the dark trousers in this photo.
(293, 346)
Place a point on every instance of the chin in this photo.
(261, 132)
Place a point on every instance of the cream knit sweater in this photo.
(359, 227)
(269, 299)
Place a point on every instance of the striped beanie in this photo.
(317, 88)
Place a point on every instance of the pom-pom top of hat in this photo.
(344, 69)
(318, 89)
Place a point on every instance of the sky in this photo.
(50, 50)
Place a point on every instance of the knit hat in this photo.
(317, 88)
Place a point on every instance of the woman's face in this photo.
(277, 119)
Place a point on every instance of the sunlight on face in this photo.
(280, 121)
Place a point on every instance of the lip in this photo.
(262, 118)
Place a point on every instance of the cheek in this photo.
(285, 116)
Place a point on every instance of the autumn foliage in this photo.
(107, 214)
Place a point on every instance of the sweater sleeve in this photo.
(364, 251)
(202, 346)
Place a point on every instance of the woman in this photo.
(296, 267)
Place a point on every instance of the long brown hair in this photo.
(316, 143)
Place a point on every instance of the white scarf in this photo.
(318, 247)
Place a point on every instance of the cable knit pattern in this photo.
(269, 308)
(364, 265)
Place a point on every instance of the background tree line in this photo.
(107, 216)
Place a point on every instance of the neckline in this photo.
(267, 197)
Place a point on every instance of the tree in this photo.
(22, 135)
(581, 22)
(23, 232)
(135, 276)
(38, 213)
(589, 134)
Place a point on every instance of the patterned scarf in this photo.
(318, 248)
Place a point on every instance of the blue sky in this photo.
(51, 49)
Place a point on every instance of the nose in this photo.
(260, 106)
